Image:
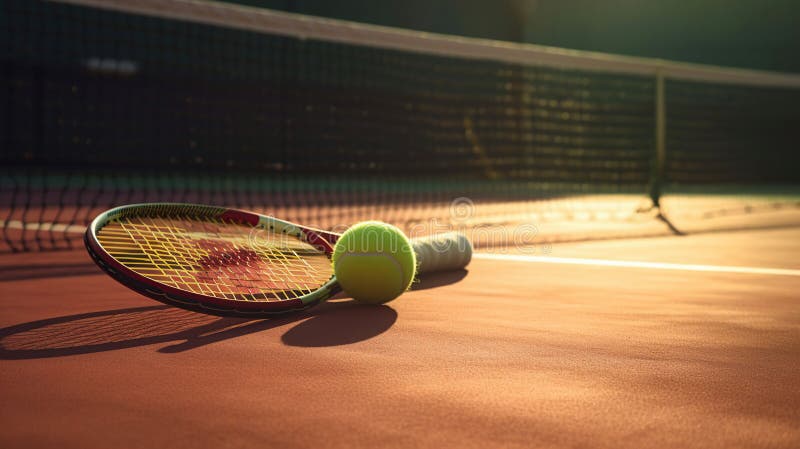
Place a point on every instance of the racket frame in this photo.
(322, 240)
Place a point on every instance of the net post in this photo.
(657, 177)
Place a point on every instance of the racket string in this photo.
(216, 258)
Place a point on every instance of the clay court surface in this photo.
(506, 353)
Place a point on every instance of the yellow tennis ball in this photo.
(374, 262)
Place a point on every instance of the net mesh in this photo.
(720, 134)
(105, 108)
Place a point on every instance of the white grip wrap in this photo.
(440, 252)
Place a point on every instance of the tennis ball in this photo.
(374, 262)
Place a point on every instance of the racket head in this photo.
(214, 260)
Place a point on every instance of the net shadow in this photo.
(38, 271)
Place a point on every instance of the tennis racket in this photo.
(231, 262)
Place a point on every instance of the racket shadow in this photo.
(112, 330)
(106, 330)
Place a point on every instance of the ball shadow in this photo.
(347, 323)
(433, 280)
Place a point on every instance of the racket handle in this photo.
(440, 252)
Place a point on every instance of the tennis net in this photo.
(328, 123)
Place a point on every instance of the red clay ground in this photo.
(508, 354)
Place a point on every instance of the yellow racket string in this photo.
(212, 257)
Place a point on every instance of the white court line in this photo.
(43, 226)
(635, 264)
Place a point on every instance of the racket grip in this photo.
(440, 252)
